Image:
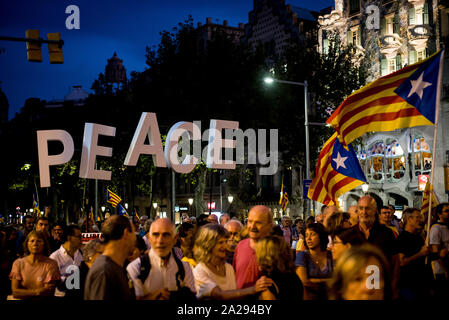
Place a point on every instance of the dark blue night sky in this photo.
(105, 26)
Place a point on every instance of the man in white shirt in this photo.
(67, 256)
(161, 281)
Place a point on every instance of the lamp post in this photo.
(365, 188)
(190, 205)
(155, 207)
(270, 80)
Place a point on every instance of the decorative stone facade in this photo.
(408, 31)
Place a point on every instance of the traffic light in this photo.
(34, 52)
(54, 49)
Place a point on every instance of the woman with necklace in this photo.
(214, 277)
(35, 275)
(315, 265)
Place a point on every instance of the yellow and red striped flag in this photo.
(425, 200)
(338, 171)
(403, 99)
(113, 198)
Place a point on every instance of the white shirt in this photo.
(160, 276)
(64, 261)
(439, 235)
(206, 280)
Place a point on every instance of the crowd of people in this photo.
(362, 254)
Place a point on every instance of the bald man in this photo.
(259, 225)
(161, 280)
(376, 233)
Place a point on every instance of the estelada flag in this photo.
(403, 99)
(425, 201)
(338, 171)
(284, 201)
(113, 198)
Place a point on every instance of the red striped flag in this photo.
(425, 201)
(403, 99)
(113, 198)
(338, 171)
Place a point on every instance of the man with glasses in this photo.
(234, 227)
(68, 256)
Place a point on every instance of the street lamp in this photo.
(190, 205)
(103, 208)
(230, 199)
(270, 80)
(155, 206)
(126, 205)
(365, 188)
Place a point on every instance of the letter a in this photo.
(72, 21)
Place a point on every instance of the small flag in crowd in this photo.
(122, 211)
(36, 210)
(403, 99)
(426, 196)
(113, 198)
(283, 201)
(91, 215)
(338, 171)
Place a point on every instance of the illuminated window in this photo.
(375, 158)
(422, 156)
(395, 159)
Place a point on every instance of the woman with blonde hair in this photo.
(214, 277)
(34, 276)
(361, 273)
(275, 261)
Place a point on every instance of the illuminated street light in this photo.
(270, 80)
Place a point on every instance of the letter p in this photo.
(46, 160)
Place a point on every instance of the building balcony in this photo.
(390, 44)
(418, 35)
(330, 19)
(417, 3)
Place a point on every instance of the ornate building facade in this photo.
(392, 34)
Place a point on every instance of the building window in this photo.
(391, 65)
(422, 156)
(418, 15)
(395, 159)
(375, 158)
(354, 6)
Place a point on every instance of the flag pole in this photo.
(437, 109)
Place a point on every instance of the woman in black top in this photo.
(276, 262)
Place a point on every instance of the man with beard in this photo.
(234, 227)
(166, 277)
(259, 225)
(107, 279)
(414, 276)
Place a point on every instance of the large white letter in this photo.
(45, 160)
(171, 146)
(147, 126)
(373, 18)
(72, 21)
(216, 143)
(91, 150)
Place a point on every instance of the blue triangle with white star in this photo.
(420, 89)
(345, 161)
